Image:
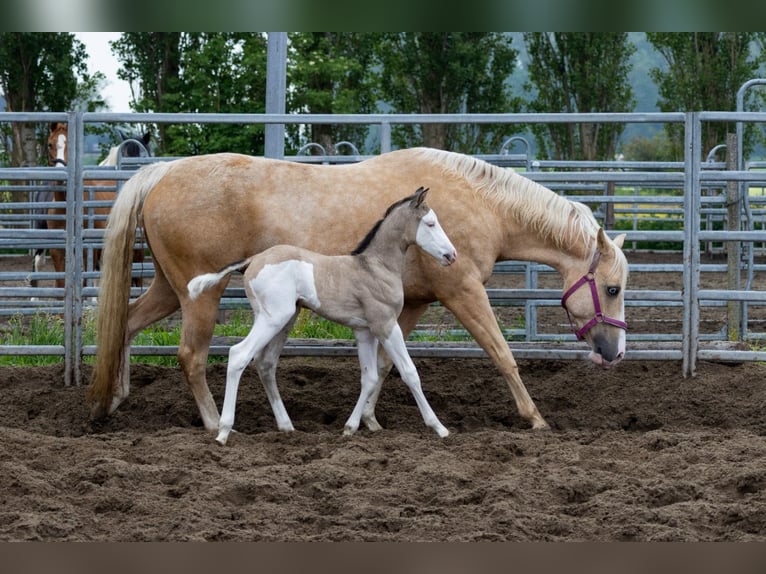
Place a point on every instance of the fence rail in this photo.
(691, 193)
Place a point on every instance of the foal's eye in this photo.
(612, 291)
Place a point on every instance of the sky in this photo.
(100, 58)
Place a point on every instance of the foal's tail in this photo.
(201, 282)
(114, 293)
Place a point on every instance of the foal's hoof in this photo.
(540, 425)
(372, 424)
(222, 437)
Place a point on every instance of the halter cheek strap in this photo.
(599, 317)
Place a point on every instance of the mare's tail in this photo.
(201, 282)
(114, 291)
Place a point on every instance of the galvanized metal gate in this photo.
(590, 182)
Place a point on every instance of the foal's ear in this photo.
(420, 196)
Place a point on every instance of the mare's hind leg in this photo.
(155, 303)
(397, 350)
(266, 364)
(408, 318)
(199, 317)
(266, 326)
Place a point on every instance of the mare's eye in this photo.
(612, 291)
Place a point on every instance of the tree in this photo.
(448, 73)
(705, 70)
(579, 73)
(216, 72)
(330, 73)
(150, 63)
(40, 72)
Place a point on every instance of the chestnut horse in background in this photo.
(202, 212)
(57, 155)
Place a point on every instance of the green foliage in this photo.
(579, 73)
(448, 73)
(329, 73)
(43, 71)
(203, 72)
(705, 70)
(656, 148)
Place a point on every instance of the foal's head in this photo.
(417, 223)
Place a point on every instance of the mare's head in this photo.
(57, 144)
(594, 299)
(418, 224)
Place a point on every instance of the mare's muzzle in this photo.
(598, 316)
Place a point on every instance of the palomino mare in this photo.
(57, 154)
(201, 213)
(363, 291)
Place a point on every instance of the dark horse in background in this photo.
(57, 154)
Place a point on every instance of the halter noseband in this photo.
(599, 317)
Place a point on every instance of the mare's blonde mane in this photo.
(532, 205)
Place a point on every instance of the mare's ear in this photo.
(602, 241)
(54, 125)
(420, 196)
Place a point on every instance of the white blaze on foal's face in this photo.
(432, 239)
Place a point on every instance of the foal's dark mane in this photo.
(365, 243)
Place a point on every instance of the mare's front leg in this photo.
(367, 350)
(397, 350)
(470, 305)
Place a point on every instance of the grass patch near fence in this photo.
(47, 329)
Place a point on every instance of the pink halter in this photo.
(599, 316)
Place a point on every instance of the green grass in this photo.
(47, 329)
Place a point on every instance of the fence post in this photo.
(276, 66)
(691, 256)
(73, 250)
(733, 248)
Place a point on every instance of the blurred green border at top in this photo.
(364, 15)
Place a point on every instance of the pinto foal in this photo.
(362, 291)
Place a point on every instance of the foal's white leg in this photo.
(395, 347)
(265, 328)
(266, 363)
(367, 350)
(408, 319)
